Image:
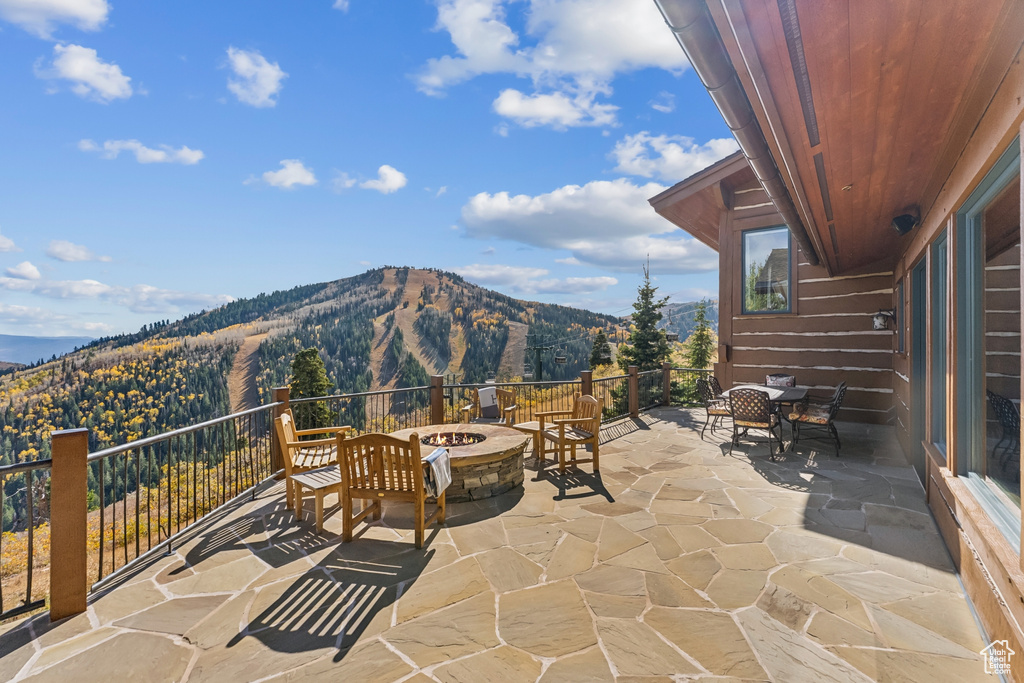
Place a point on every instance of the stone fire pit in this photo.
(483, 469)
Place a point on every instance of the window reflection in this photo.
(766, 271)
(1001, 228)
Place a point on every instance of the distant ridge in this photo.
(27, 350)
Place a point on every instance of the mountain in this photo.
(27, 350)
(678, 317)
(386, 328)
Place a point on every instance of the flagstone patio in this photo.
(680, 562)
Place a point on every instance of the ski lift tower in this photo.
(537, 348)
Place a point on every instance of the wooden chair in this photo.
(583, 426)
(752, 409)
(378, 467)
(809, 414)
(506, 409)
(303, 456)
(716, 408)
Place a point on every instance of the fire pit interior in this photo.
(452, 439)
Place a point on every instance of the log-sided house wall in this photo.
(826, 337)
(896, 129)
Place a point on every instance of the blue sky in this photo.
(163, 157)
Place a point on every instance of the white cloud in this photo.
(144, 155)
(558, 110)
(488, 251)
(24, 271)
(62, 250)
(291, 173)
(40, 17)
(137, 298)
(258, 81)
(665, 102)
(7, 244)
(342, 182)
(440, 191)
(572, 48)
(527, 280)
(42, 320)
(603, 223)
(388, 180)
(90, 76)
(341, 4)
(570, 261)
(668, 157)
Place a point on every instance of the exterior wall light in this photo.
(880, 321)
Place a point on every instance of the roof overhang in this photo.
(696, 204)
(864, 106)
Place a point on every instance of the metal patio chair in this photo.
(810, 414)
(752, 409)
(716, 408)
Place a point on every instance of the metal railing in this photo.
(614, 395)
(531, 397)
(684, 385)
(370, 411)
(147, 492)
(650, 389)
(22, 579)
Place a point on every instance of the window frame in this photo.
(789, 272)
(969, 281)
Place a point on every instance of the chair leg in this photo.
(835, 435)
(596, 468)
(440, 508)
(706, 421)
(320, 512)
(346, 516)
(419, 523)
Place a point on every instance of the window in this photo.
(766, 271)
(989, 343)
(940, 292)
(901, 325)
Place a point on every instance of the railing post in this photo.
(634, 391)
(587, 383)
(281, 395)
(436, 399)
(666, 384)
(68, 519)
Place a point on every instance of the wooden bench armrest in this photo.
(312, 444)
(574, 420)
(323, 430)
(553, 412)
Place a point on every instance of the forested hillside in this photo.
(386, 328)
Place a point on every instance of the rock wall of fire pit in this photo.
(484, 469)
(473, 482)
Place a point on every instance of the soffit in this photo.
(696, 204)
(877, 96)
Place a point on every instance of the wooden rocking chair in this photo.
(378, 467)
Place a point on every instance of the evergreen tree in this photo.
(309, 379)
(649, 346)
(701, 343)
(601, 354)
